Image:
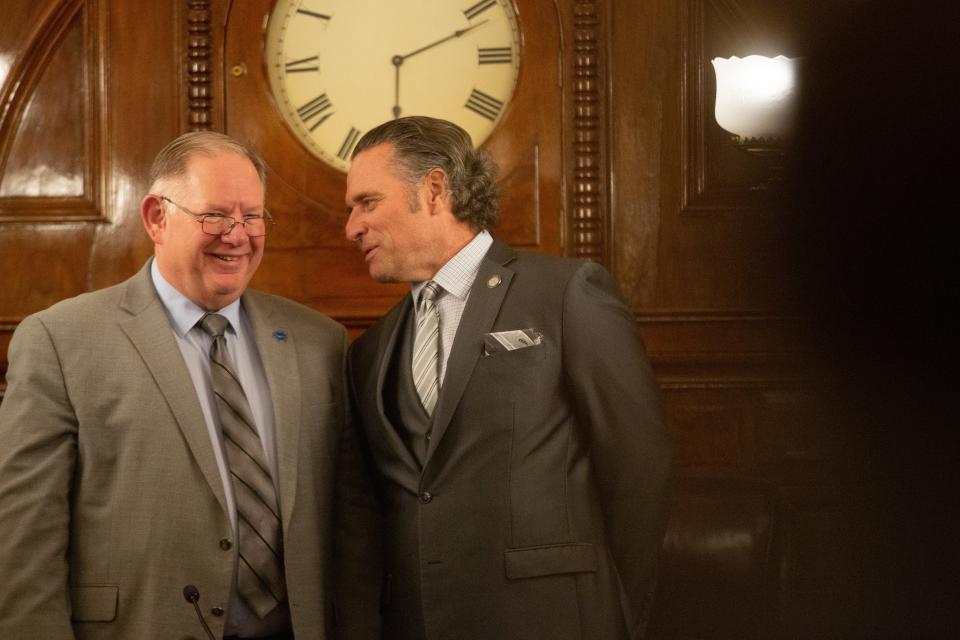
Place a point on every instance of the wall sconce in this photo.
(756, 102)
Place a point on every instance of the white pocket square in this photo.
(510, 340)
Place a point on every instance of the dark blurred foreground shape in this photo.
(874, 194)
(871, 190)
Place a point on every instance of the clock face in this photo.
(338, 68)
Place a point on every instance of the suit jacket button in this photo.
(217, 611)
(426, 497)
(226, 544)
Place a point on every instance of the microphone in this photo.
(191, 594)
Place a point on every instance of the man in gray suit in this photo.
(508, 409)
(169, 445)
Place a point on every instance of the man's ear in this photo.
(437, 195)
(154, 217)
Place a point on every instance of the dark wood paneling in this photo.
(620, 161)
(705, 593)
(85, 102)
(706, 262)
(51, 121)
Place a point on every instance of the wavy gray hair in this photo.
(422, 144)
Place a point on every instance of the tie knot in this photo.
(430, 292)
(214, 324)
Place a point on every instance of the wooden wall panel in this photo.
(50, 125)
(706, 263)
(88, 99)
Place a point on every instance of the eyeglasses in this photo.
(217, 224)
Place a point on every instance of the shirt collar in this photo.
(457, 275)
(181, 311)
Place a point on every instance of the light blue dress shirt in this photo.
(195, 344)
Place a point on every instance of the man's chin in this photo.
(383, 277)
(224, 291)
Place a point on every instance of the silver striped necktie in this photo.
(426, 348)
(260, 579)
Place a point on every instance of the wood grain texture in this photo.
(608, 152)
(51, 120)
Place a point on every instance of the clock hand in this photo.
(397, 61)
(456, 34)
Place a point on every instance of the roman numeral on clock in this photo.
(316, 108)
(314, 14)
(303, 64)
(478, 8)
(484, 105)
(349, 143)
(495, 55)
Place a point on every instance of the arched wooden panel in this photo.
(51, 121)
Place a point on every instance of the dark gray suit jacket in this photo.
(539, 510)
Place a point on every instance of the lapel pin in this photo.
(281, 336)
(493, 281)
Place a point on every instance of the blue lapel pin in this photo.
(281, 336)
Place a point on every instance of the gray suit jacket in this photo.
(539, 509)
(110, 497)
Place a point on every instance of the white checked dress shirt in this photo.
(455, 279)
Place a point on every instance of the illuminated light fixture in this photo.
(756, 99)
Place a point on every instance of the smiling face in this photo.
(400, 241)
(211, 271)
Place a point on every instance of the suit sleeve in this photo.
(618, 403)
(38, 443)
(358, 542)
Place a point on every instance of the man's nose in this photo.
(236, 234)
(354, 229)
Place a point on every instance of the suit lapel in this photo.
(385, 350)
(149, 330)
(279, 358)
(483, 307)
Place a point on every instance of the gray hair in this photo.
(421, 144)
(173, 159)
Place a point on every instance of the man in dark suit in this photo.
(508, 409)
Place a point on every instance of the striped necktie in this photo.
(260, 579)
(426, 348)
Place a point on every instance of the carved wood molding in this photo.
(588, 225)
(198, 69)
